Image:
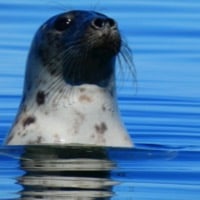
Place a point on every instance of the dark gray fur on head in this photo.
(80, 46)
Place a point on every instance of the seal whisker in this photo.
(58, 57)
(126, 55)
(54, 89)
(58, 85)
(75, 64)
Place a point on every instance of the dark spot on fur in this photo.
(92, 136)
(78, 121)
(31, 142)
(61, 90)
(101, 128)
(39, 140)
(46, 112)
(29, 120)
(40, 98)
(82, 89)
(103, 108)
(24, 134)
(107, 108)
(85, 98)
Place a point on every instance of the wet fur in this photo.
(69, 95)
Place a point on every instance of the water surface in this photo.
(162, 114)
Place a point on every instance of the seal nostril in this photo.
(98, 23)
(111, 22)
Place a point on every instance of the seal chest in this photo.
(69, 89)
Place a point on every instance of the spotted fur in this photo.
(56, 110)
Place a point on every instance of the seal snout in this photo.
(106, 37)
(105, 27)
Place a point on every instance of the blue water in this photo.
(161, 111)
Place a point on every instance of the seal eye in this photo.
(62, 23)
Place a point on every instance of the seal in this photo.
(69, 90)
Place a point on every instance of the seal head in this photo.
(69, 89)
(83, 44)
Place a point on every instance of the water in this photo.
(162, 114)
(100, 173)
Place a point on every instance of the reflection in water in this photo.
(146, 173)
(66, 173)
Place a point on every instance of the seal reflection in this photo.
(66, 172)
